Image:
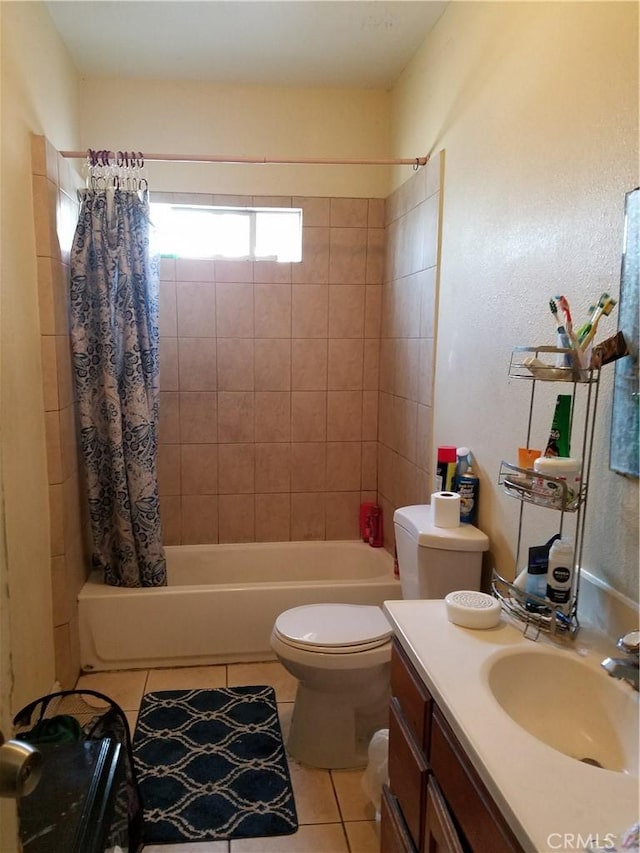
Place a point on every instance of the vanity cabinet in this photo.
(435, 801)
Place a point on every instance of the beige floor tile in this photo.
(193, 847)
(313, 792)
(269, 672)
(186, 678)
(321, 838)
(132, 719)
(363, 836)
(125, 688)
(285, 710)
(354, 803)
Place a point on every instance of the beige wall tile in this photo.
(68, 441)
(234, 310)
(235, 364)
(197, 364)
(235, 416)
(169, 427)
(168, 351)
(344, 416)
(372, 311)
(308, 416)
(234, 271)
(272, 364)
(169, 480)
(272, 310)
(271, 272)
(376, 213)
(346, 310)
(310, 311)
(60, 284)
(376, 254)
(168, 309)
(65, 375)
(66, 674)
(272, 467)
(308, 466)
(344, 466)
(199, 469)
(371, 366)
(54, 447)
(171, 516)
(273, 517)
(348, 256)
(198, 417)
(59, 591)
(236, 518)
(315, 211)
(194, 269)
(46, 296)
(49, 373)
(424, 390)
(314, 267)
(196, 309)
(406, 367)
(38, 155)
(307, 516)
(273, 415)
(56, 519)
(342, 515)
(349, 212)
(369, 466)
(345, 364)
(369, 415)
(167, 269)
(309, 364)
(199, 519)
(236, 469)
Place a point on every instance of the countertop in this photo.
(544, 795)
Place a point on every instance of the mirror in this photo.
(623, 452)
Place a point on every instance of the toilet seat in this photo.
(333, 628)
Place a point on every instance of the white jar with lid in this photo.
(554, 471)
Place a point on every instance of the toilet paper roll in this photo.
(446, 509)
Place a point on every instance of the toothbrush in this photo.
(568, 322)
(605, 306)
(562, 360)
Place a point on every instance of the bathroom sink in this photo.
(570, 706)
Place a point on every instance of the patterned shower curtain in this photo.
(114, 335)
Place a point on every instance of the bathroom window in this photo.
(242, 233)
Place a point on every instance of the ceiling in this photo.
(355, 43)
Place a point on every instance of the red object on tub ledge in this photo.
(376, 533)
(365, 509)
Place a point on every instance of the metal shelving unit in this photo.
(538, 365)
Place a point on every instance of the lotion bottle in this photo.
(560, 574)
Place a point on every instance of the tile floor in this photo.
(334, 815)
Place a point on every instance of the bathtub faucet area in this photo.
(626, 668)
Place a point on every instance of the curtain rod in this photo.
(227, 158)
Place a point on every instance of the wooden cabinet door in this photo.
(394, 836)
(407, 772)
(440, 835)
(412, 695)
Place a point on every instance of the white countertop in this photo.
(542, 793)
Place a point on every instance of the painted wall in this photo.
(536, 105)
(184, 117)
(39, 95)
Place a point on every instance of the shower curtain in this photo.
(114, 339)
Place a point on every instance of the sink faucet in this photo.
(625, 668)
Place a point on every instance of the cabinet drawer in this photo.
(394, 837)
(477, 815)
(407, 772)
(412, 695)
(440, 834)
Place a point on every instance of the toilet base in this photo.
(331, 727)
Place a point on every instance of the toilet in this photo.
(341, 653)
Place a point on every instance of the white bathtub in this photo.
(222, 600)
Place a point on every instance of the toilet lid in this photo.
(334, 627)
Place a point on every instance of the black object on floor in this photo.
(211, 766)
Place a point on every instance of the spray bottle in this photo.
(468, 487)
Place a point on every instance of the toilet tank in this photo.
(435, 561)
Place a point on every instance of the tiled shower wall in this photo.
(55, 215)
(269, 382)
(289, 392)
(407, 343)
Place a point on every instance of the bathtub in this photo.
(221, 601)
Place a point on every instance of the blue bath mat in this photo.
(212, 766)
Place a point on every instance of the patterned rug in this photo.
(212, 766)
